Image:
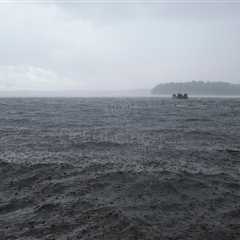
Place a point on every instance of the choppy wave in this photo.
(45, 201)
(119, 169)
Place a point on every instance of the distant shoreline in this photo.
(198, 88)
(164, 90)
(120, 96)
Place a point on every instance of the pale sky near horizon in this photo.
(115, 45)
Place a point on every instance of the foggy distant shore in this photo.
(198, 88)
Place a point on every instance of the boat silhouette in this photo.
(180, 96)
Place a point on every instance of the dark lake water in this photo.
(120, 168)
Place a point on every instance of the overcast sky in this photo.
(110, 46)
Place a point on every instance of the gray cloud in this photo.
(117, 46)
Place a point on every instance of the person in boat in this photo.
(180, 96)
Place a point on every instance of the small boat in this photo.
(180, 96)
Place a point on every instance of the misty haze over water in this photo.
(115, 45)
(95, 142)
